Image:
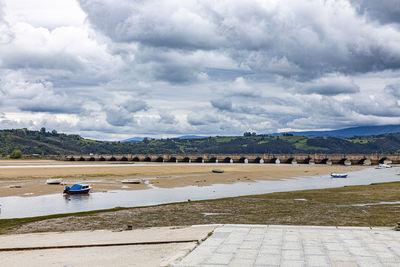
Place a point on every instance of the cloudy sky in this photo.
(113, 69)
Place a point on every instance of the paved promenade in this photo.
(246, 245)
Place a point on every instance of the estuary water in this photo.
(18, 207)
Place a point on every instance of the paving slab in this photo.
(279, 245)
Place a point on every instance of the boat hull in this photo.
(54, 181)
(339, 175)
(131, 181)
(75, 192)
(77, 189)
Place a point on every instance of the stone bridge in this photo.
(350, 159)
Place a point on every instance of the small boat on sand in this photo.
(339, 175)
(77, 189)
(383, 166)
(54, 181)
(217, 171)
(131, 181)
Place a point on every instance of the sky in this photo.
(115, 69)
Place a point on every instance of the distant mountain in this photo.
(140, 139)
(350, 132)
(192, 137)
(133, 139)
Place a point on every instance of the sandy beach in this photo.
(32, 175)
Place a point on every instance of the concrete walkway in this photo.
(143, 247)
(247, 245)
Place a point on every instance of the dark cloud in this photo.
(330, 85)
(222, 104)
(122, 113)
(202, 119)
(167, 118)
(55, 106)
(174, 73)
(385, 11)
(393, 90)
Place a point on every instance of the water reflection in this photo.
(13, 207)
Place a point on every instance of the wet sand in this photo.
(108, 177)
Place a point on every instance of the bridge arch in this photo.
(124, 158)
(81, 159)
(367, 162)
(310, 161)
(172, 159)
(364, 161)
(228, 160)
(243, 160)
(199, 160)
(160, 159)
(71, 159)
(92, 159)
(102, 158)
(324, 161)
(275, 160)
(385, 160)
(213, 160)
(382, 160)
(136, 159)
(112, 158)
(258, 160)
(147, 159)
(186, 159)
(345, 161)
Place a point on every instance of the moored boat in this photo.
(131, 181)
(217, 171)
(54, 181)
(77, 189)
(383, 166)
(339, 175)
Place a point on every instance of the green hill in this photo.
(53, 143)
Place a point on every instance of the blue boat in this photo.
(339, 175)
(77, 189)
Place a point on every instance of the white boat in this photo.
(131, 181)
(383, 166)
(339, 175)
(54, 181)
(217, 171)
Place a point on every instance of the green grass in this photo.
(224, 139)
(302, 145)
(361, 140)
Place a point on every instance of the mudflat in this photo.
(31, 175)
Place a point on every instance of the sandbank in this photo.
(108, 176)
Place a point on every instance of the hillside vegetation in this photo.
(53, 143)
